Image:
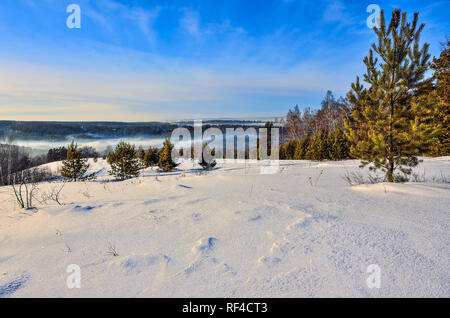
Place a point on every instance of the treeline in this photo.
(60, 153)
(317, 135)
(321, 146)
(15, 159)
(81, 130)
(59, 131)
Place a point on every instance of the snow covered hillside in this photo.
(233, 232)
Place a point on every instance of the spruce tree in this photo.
(124, 162)
(384, 129)
(165, 161)
(75, 166)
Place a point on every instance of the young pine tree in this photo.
(165, 161)
(75, 166)
(319, 148)
(339, 145)
(384, 129)
(437, 94)
(140, 153)
(301, 149)
(207, 164)
(123, 161)
(287, 151)
(151, 157)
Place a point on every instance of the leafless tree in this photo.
(309, 122)
(54, 193)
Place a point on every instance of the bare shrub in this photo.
(24, 189)
(54, 194)
(111, 251)
(354, 178)
(441, 178)
(316, 181)
(25, 185)
(67, 249)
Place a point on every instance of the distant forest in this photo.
(60, 131)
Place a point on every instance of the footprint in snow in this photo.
(205, 246)
(202, 250)
(269, 261)
(133, 265)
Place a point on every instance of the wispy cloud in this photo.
(145, 20)
(135, 60)
(336, 12)
(190, 22)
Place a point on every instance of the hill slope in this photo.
(233, 233)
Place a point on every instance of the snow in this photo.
(232, 232)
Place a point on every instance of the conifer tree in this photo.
(438, 95)
(384, 129)
(123, 161)
(75, 166)
(281, 151)
(165, 161)
(301, 149)
(151, 157)
(207, 164)
(287, 151)
(140, 153)
(339, 145)
(318, 148)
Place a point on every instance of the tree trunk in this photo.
(390, 172)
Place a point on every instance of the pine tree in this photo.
(301, 149)
(439, 96)
(318, 148)
(75, 166)
(123, 161)
(140, 153)
(287, 151)
(165, 161)
(151, 157)
(384, 129)
(339, 145)
(207, 164)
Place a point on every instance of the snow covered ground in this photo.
(233, 232)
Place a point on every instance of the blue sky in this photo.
(155, 60)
